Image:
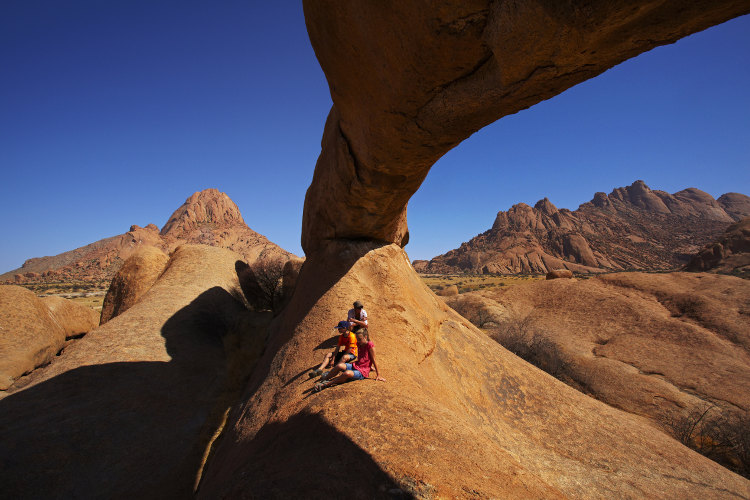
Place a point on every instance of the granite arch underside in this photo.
(411, 80)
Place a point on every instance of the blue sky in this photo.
(113, 113)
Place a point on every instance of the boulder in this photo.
(559, 273)
(74, 319)
(448, 291)
(730, 253)
(30, 335)
(136, 276)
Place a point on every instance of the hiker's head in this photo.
(358, 305)
(342, 327)
(363, 336)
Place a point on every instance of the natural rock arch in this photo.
(459, 416)
(411, 80)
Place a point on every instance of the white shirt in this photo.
(362, 315)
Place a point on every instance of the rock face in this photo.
(33, 330)
(74, 319)
(132, 281)
(207, 217)
(730, 254)
(456, 407)
(631, 228)
(650, 344)
(139, 397)
(209, 207)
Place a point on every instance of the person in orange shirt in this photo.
(348, 341)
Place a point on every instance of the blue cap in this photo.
(342, 324)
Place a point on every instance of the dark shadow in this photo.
(122, 430)
(303, 372)
(329, 343)
(305, 457)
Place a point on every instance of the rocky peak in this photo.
(735, 204)
(207, 207)
(545, 206)
(640, 195)
(600, 200)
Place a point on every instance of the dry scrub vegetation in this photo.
(90, 294)
(719, 435)
(473, 282)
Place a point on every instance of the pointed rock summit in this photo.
(208, 217)
(209, 207)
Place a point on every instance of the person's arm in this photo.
(356, 321)
(375, 365)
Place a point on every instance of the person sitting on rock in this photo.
(358, 370)
(357, 317)
(348, 341)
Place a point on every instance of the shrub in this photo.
(519, 335)
(261, 283)
(719, 435)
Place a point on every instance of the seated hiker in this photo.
(357, 317)
(358, 370)
(348, 341)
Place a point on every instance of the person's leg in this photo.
(326, 361)
(344, 376)
(319, 370)
(350, 373)
(335, 371)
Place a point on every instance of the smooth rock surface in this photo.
(136, 276)
(458, 416)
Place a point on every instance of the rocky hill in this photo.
(730, 254)
(633, 227)
(207, 217)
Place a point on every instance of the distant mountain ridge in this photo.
(633, 227)
(207, 217)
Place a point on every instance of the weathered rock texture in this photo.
(411, 80)
(207, 217)
(458, 416)
(632, 228)
(730, 254)
(132, 281)
(650, 344)
(74, 319)
(33, 330)
(128, 410)
(29, 335)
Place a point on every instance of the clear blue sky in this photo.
(112, 113)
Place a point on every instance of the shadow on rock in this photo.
(325, 464)
(128, 429)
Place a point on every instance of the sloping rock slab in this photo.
(126, 411)
(458, 416)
